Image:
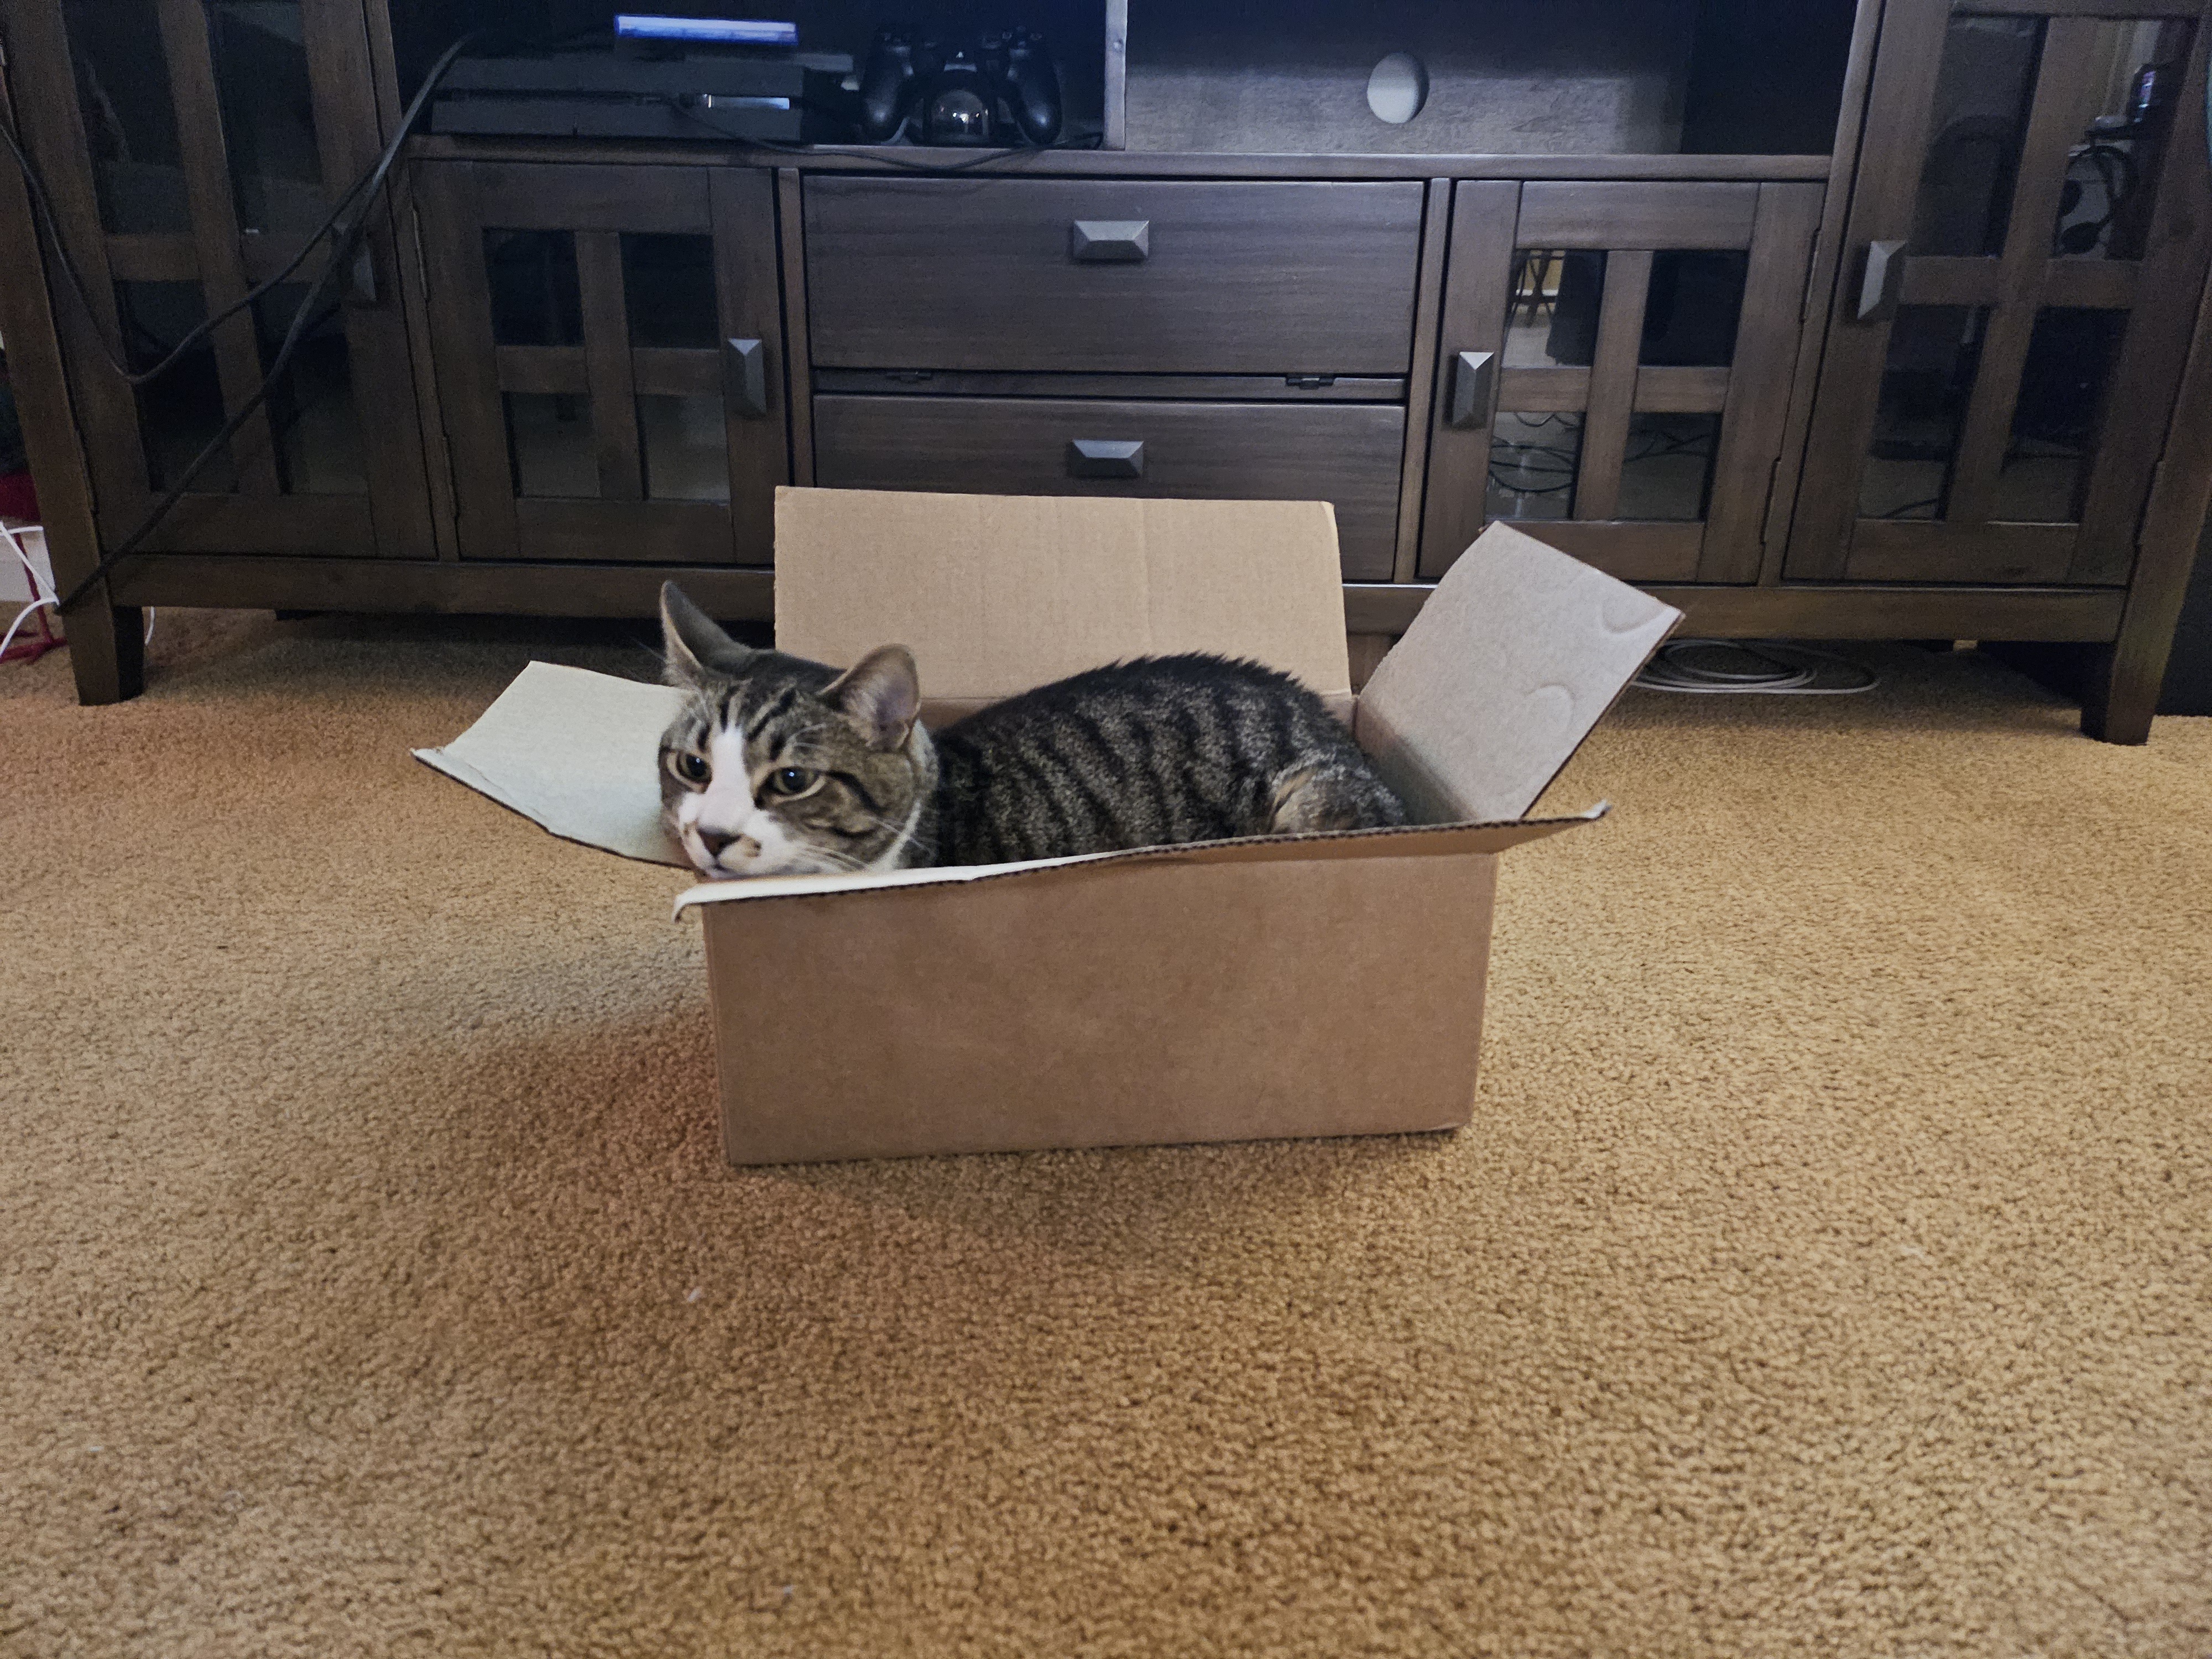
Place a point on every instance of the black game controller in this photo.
(955, 93)
(1029, 81)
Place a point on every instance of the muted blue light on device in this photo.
(722, 31)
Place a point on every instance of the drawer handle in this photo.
(1882, 284)
(745, 376)
(1469, 401)
(1106, 457)
(1109, 242)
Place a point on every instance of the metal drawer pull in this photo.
(745, 376)
(1882, 284)
(1109, 242)
(1468, 401)
(1106, 457)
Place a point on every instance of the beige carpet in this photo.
(1829, 1269)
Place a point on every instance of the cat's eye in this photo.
(791, 781)
(692, 769)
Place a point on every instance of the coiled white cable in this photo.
(1774, 668)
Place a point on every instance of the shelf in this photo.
(1500, 77)
(1248, 88)
(1078, 163)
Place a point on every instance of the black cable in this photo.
(1913, 506)
(2118, 175)
(346, 236)
(343, 244)
(120, 363)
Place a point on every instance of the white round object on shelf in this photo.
(1397, 88)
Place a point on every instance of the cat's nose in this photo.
(714, 840)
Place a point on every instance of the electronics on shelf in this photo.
(705, 30)
(652, 82)
(704, 78)
(1003, 88)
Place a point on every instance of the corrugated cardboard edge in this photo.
(1406, 841)
(603, 795)
(1513, 661)
(459, 772)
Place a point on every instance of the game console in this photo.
(666, 87)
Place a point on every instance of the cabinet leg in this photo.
(2118, 699)
(107, 650)
(2117, 704)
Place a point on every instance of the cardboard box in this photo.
(1317, 984)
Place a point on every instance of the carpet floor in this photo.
(1828, 1269)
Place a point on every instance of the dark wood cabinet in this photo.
(2026, 250)
(1166, 337)
(1851, 318)
(1160, 277)
(1345, 453)
(200, 145)
(610, 353)
(1614, 371)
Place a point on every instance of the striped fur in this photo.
(1148, 753)
(779, 766)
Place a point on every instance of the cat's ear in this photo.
(881, 694)
(692, 643)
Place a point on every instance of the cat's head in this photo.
(778, 766)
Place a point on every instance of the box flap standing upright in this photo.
(1320, 985)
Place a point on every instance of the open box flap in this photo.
(1516, 655)
(578, 753)
(1413, 840)
(574, 752)
(994, 594)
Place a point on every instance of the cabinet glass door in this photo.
(1616, 362)
(610, 358)
(206, 139)
(2026, 244)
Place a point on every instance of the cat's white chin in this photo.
(799, 864)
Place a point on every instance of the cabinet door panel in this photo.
(611, 357)
(1633, 346)
(2024, 250)
(203, 144)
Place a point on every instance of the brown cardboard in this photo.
(1281, 985)
(1515, 656)
(598, 783)
(994, 594)
(1098, 1005)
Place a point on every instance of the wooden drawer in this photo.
(1261, 278)
(1345, 453)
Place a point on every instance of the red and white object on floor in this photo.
(27, 574)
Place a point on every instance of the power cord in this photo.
(345, 233)
(119, 361)
(343, 225)
(1772, 668)
(42, 599)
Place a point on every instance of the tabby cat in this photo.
(779, 766)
